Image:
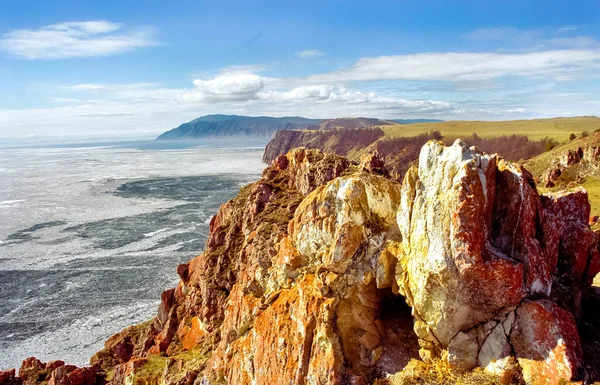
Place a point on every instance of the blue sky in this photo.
(143, 67)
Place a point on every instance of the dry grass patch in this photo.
(440, 373)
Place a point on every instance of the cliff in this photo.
(234, 125)
(345, 142)
(398, 152)
(326, 271)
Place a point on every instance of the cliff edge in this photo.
(327, 271)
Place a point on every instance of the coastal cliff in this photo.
(328, 271)
(398, 152)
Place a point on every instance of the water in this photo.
(90, 235)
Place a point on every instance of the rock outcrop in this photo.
(570, 164)
(486, 262)
(34, 371)
(329, 272)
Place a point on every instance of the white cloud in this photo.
(307, 54)
(147, 107)
(74, 39)
(447, 85)
(454, 67)
(86, 87)
(228, 87)
(338, 95)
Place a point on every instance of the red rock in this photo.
(59, 375)
(194, 335)
(8, 377)
(123, 350)
(546, 343)
(33, 371)
(578, 261)
(568, 205)
(290, 286)
(123, 372)
(80, 376)
(183, 271)
(165, 307)
(374, 163)
(281, 162)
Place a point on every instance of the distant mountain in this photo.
(234, 125)
(411, 121)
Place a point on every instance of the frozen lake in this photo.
(90, 235)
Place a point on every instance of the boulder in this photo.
(480, 248)
(546, 343)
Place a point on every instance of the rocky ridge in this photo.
(327, 271)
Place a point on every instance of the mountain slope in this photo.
(234, 125)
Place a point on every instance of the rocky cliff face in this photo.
(345, 142)
(328, 272)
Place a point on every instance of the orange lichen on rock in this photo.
(328, 272)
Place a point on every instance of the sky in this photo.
(139, 68)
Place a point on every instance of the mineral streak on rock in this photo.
(479, 245)
(307, 274)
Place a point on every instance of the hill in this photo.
(571, 164)
(536, 129)
(235, 125)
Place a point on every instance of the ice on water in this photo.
(90, 236)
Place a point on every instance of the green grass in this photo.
(557, 128)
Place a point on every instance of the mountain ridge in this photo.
(234, 125)
(222, 125)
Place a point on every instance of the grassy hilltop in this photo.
(556, 128)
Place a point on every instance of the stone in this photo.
(477, 241)
(546, 343)
(8, 377)
(33, 371)
(496, 350)
(462, 351)
(454, 269)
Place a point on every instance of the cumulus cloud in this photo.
(228, 87)
(246, 88)
(307, 54)
(74, 39)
